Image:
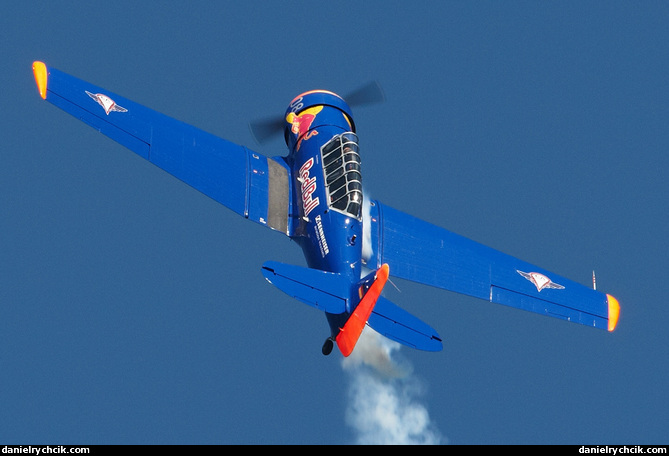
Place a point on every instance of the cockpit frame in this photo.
(341, 168)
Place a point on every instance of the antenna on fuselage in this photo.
(395, 286)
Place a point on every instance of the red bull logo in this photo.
(309, 203)
(301, 124)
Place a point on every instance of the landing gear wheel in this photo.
(327, 346)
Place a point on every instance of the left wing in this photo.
(421, 252)
(244, 181)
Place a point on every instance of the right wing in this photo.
(425, 253)
(246, 182)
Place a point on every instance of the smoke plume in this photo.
(384, 405)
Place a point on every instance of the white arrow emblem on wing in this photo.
(539, 280)
(107, 103)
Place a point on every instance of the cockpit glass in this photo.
(343, 181)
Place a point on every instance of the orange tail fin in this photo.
(348, 335)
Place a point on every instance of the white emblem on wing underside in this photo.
(539, 280)
(107, 103)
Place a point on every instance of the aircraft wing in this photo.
(425, 253)
(246, 182)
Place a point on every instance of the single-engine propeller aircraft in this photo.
(314, 195)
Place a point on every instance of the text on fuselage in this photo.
(308, 185)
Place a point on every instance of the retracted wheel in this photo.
(327, 346)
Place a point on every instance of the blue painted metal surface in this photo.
(326, 291)
(399, 325)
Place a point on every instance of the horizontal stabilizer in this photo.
(323, 290)
(399, 325)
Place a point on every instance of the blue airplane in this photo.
(314, 195)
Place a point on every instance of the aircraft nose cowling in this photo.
(299, 118)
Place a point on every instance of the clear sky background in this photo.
(133, 310)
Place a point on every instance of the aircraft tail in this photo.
(331, 293)
(348, 335)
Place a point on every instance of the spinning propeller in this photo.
(268, 127)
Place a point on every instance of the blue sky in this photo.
(133, 310)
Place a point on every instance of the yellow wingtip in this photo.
(41, 76)
(614, 311)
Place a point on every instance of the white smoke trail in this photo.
(384, 406)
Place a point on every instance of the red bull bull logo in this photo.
(300, 124)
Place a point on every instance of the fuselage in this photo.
(327, 189)
(331, 237)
